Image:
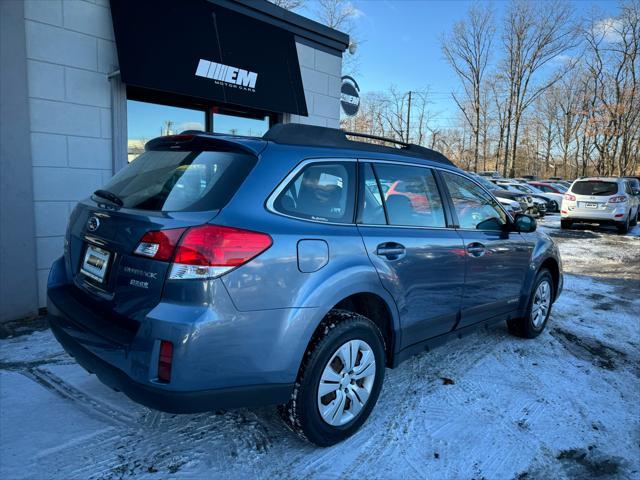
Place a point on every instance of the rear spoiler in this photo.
(197, 140)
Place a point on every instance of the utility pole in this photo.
(408, 116)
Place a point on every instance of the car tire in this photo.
(623, 227)
(634, 220)
(538, 309)
(566, 224)
(321, 365)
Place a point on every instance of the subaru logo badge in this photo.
(93, 223)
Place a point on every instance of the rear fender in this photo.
(329, 291)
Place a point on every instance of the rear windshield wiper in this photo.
(112, 197)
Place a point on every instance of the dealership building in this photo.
(85, 83)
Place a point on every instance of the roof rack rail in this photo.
(300, 134)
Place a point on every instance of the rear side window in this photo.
(322, 191)
(178, 180)
(409, 195)
(595, 188)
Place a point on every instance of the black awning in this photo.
(203, 50)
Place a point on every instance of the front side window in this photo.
(476, 209)
(411, 196)
(322, 191)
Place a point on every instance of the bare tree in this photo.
(611, 64)
(566, 97)
(341, 15)
(288, 4)
(534, 34)
(467, 49)
(387, 114)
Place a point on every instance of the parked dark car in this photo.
(219, 271)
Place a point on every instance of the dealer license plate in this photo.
(95, 263)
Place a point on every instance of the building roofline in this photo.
(297, 24)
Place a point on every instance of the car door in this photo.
(496, 258)
(419, 260)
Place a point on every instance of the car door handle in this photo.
(391, 250)
(476, 249)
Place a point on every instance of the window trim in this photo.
(450, 216)
(361, 188)
(271, 199)
(439, 191)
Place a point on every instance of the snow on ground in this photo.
(566, 405)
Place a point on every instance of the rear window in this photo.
(595, 188)
(178, 180)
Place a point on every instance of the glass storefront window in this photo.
(149, 120)
(252, 127)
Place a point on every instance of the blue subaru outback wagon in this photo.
(220, 271)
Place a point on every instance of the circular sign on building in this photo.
(349, 96)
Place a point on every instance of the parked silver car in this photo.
(601, 200)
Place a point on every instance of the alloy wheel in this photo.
(541, 303)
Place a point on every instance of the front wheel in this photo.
(339, 380)
(535, 319)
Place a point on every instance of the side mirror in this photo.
(635, 191)
(524, 223)
(491, 224)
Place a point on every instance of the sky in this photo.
(399, 44)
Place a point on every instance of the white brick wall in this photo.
(70, 51)
(321, 73)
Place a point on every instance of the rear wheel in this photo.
(535, 319)
(623, 227)
(566, 223)
(339, 380)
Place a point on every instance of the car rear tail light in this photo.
(165, 359)
(159, 244)
(568, 196)
(209, 251)
(618, 199)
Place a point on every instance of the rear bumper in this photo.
(602, 217)
(222, 357)
(167, 400)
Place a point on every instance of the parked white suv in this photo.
(602, 200)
